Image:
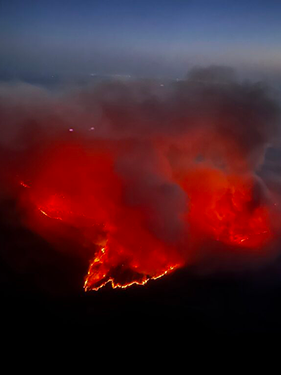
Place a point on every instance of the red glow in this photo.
(101, 272)
(221, 205)
(80, 188)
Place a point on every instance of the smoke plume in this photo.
(137, 177)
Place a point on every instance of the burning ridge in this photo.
(144, 179)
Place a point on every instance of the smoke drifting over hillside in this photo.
(138, 178)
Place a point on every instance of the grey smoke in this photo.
(210, 115)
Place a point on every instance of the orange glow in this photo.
(23, 184)
(221, 205)
(78, 191)
(100, 274)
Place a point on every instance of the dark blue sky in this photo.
(138, 37)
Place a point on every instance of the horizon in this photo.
(157, 39)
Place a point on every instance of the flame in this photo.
(233, 222)
(222, 206)
(79, 189)
(23, 184)
(99, 274)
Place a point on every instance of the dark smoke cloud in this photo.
(157, 129)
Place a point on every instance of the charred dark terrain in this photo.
(47, 294)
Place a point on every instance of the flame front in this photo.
(222, 206)
(101, 273)
(124, 249)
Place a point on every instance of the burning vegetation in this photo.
(157, 178)
(81, 190)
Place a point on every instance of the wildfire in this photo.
(23, 184)
(124, 249)
(234, 222)
(222, 206)
(100, 271)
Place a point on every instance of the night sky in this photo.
(141, 38)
